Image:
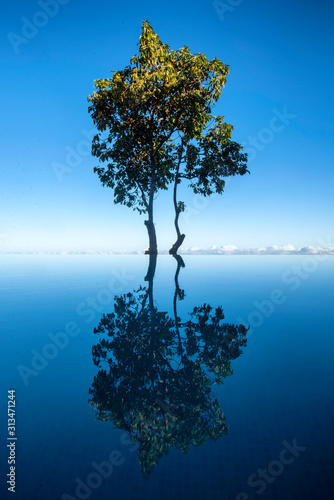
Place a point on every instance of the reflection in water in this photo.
(158, 371)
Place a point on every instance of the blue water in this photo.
(275, 437)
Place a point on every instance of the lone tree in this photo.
(148, 116)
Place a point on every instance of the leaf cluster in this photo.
(157, 384)
(142, 113)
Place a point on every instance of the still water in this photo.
(210, 377)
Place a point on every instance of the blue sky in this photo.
(277, 96)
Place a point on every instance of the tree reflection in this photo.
(158, 371)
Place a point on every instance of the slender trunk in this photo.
(151, 270)
(180, 237)
(149, 277)
(180, 264)
(153, 249)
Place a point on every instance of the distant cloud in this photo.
(271, 250)
(228, 248)
(213, 250)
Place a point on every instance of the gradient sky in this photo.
(278, 96)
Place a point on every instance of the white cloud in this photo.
(308, 250)
(228, 248)
(286, 249)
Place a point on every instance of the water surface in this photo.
(176, 405)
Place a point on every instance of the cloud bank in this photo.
(271, 250)
(213, 250)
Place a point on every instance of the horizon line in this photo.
(213, 250)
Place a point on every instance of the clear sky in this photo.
(278, 96)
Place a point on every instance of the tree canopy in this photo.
(144, 113)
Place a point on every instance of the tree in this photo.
(155, 373)
(143, 113)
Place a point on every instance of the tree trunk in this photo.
(153, 249)
(178, 294)
(151, 270)
(180, 237)
(149, 277)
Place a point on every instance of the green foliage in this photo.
(181, 206)
(158, 376)
(213, 158)
(141, 112)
